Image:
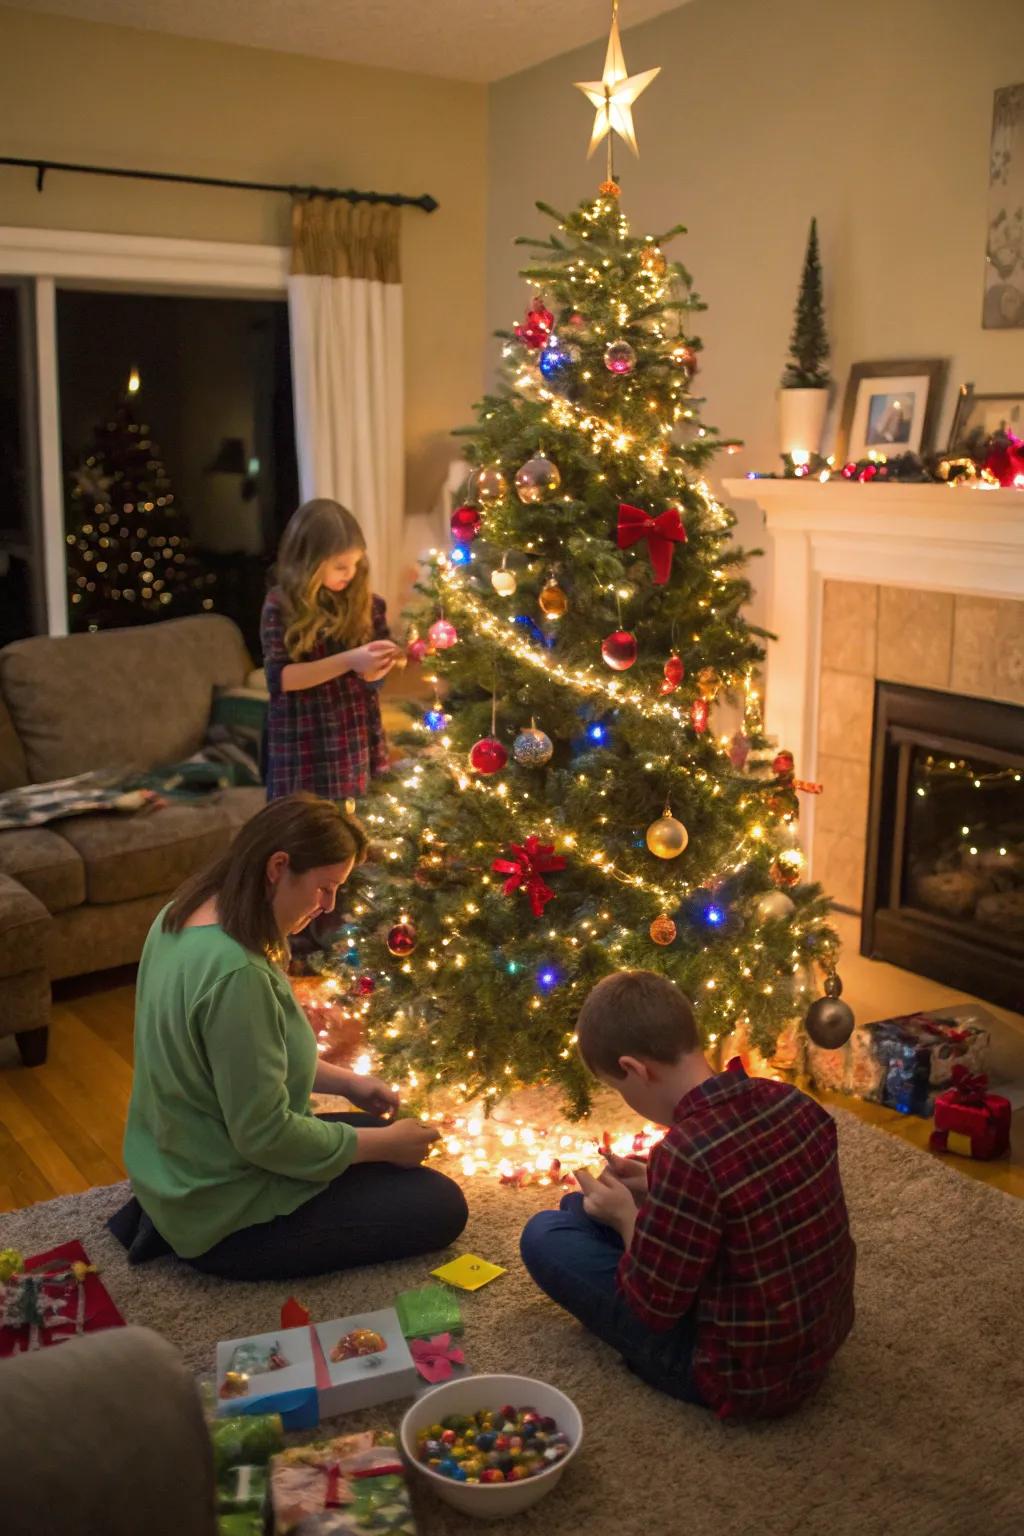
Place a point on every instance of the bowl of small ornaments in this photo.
(492, 1445)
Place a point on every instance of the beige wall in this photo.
(108, 95)
(874, 115)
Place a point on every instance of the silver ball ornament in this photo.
(619, 357)
(532, 748)
(773, 906)
(488, 484)
(538, 479)
(829, 1021)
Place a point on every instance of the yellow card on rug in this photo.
(468, 1272)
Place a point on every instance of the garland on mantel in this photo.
(997, 460)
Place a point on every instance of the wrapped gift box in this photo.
(341, 1487)
(362, 1361)
(969, 1120)
(904, 1061)
(63, 1294)
(269, 1373)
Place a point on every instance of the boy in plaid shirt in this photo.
(722, 1270)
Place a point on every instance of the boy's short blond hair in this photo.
(635, 1013)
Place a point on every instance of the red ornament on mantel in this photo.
(619, 650)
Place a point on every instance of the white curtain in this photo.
(345, 318)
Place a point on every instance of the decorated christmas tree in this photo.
(574, 805)
(129, 558)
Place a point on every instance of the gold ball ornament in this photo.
(788, 867)
(663, 930)
(709, 684)
(667, 838)
(488, 484)
(553, 601)
(537, 479)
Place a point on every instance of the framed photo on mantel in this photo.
(890, 408)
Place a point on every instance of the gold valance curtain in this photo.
(335, 238)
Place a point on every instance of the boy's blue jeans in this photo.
(574, 1259)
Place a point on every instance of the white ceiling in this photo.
(480, 40)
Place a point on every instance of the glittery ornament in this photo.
(465, 524)
(773, 906)
(504, 581)
(787, 867)
(783, 765)
(619, 357)
(663, 930)
(488, 484)
(683, 355)
(829, 1021)
(619, 650)
(442, 635)
(699, 715)
(652, 259)
(667, 837)
(488, 755)
(417, 649)
(709, 684)
(532, 748)
(361, 1341)
(536, 328)
(557, 357)
(401, 939)
(674, 672)
(366, 986)
(553, 601)
(538, 479)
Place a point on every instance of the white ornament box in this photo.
(269, 1373)
(373, 1363)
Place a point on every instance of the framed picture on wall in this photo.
(890, 408)
(979, 417)
(1004, 250)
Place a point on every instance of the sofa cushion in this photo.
(239, 805)
(13, 767)
(24, 923)
(127, 856)
(122, 698)
(46, 864)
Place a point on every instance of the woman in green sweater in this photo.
(231, 1169)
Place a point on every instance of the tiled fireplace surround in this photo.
(907, 584)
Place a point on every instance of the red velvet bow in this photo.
(661, 533)
(531, 861)
(970, 1087)
(436, 1358)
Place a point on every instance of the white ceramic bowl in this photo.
(470, 1394)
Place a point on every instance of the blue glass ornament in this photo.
(352, 957)
(460, 555)
(534, 630)
(435, 719)
(554, 358)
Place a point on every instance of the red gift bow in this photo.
(661, 533)
(436, 1358)
(531, 862)
(970, 1087)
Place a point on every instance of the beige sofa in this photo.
(79, 895)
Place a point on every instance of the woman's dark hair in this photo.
(312, 832)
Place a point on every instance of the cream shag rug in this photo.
(919, 1430)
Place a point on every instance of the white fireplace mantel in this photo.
(937, 537)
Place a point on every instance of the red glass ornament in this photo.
(576, 319)
(619, 650)
(465, 524)
(442, 635)
(365, 986)
(699, 715)
(536, 329)
(417, 650)
(684, 356)
(401, 939)
(783, 764)
(488, 755)
(674, 673)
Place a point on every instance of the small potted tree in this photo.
(803, 398)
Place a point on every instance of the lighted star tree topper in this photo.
(613, 96)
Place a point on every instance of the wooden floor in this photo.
(61, 1124)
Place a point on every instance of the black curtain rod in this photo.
(396, 199)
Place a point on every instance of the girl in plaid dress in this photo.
(325, 645)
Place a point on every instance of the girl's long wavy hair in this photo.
(319, 530)
(312, 832)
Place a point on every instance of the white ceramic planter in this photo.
(802, 419)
